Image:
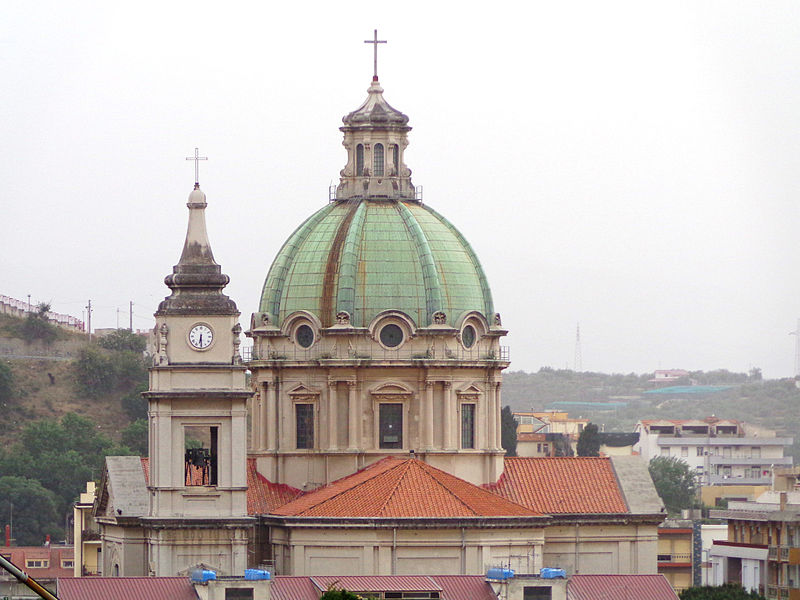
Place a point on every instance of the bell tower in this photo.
(197, 417)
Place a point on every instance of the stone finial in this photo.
(497, 320)
(343, 318)
(439, 318)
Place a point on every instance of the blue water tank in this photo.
(203, 576)
(499, 574)
(256, 574)
(548, 573)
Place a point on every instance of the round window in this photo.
(468, 336)
(304, 336)
(391, 335)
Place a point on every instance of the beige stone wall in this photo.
(176, 551)
(602, 548)
(317, 551)
(124, 551)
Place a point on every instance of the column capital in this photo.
(429, 383)
(351, 383)
(332, 382)
(447, 384)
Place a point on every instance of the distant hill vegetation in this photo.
(617, 402)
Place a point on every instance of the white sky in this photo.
(630, 166)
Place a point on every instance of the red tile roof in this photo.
(402, 488)
(126, 588)
(450, 587)
(619, 587)
(561, 485)
(263, 496)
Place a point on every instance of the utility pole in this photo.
(578, 360)
(29, 303)
(118, 317)
(130, 313)
(89, 319)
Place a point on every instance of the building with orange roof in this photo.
(367, 440)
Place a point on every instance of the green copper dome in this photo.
(366, 256)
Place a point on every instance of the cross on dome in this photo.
(375, 41)
(196, 158)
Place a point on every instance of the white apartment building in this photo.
(721, 451)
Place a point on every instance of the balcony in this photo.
(376, 353)
(735, 480)
(674, 560)
(747, 460)
(705, 441)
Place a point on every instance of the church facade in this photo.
(373, 405)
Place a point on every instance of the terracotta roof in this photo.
(561, 485)
(126, 588)
(450, 587)
(263, 496)
(400, 488)
(619, 587)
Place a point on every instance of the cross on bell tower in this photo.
(375, 41)
(197, 158)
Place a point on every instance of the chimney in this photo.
(47, 541)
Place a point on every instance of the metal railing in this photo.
(295, 353)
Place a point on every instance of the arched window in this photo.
(377, 160)
(396, 158)
(360, 160)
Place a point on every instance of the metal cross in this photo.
(375, 41)
(196, 158)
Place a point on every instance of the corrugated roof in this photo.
(619, 587)
(385, 583)
(124, 588)
(264, 496)
(450, 587)
(402, 488)
(561, 485)
(286, 587)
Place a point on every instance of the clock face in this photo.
(201, 336)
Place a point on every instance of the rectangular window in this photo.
(37, 563)
(467, 425)
(239, 594)
(391, 425)
(201, 457)
(699, 451)
(304, 415)
(544, 592)
(546, 449)
(684, 451)
(726, 451)
(755, 451)
(665, 451)
(67, 564)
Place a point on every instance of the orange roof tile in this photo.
(402, 488)
(264, 496)
(561, 485)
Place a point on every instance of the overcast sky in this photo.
(632, 167)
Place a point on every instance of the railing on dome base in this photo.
(502, 354)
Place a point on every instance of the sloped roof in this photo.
(125, 588)
(619, 587)
(450, 587)
(263, 496)
(402, 488)
(123, 487)
(561, 485)
(52, 554)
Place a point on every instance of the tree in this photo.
(36, 326)
(334, 593)
(6, 383)
(727, 591)
(123, 339)
(508, 431)
(94, 374)
(134, 436)
(674, 481)
(589, 441)
(134, 405)
(33, 509)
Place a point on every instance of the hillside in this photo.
(768, 403)
(44, 384)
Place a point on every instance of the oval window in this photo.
(468, 336)
(304, 336)
(391, 335)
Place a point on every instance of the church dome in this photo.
(376, 247)
(367, 256)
